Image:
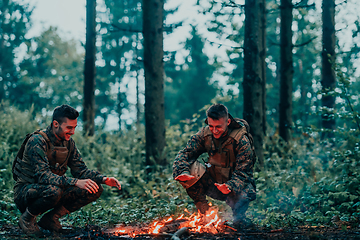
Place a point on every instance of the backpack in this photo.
(245, 124)
(20, 154)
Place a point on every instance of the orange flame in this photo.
(209, 222)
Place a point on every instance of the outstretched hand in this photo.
(112, 182)
(184, 177)
(223, 188)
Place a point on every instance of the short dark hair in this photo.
(217, 111)
(64, 111)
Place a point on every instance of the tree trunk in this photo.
(262, 38)
(253, 76)
(286, 70)
(154, 81)
(89, 71)
(328, 79)
(138, 112)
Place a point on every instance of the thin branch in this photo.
(299, 5)
(295, 6)
(233, 4)
(304, 43)
(343, 2)
(222, 44)
(272, 43)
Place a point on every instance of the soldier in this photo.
(39, 170)
(228, 175)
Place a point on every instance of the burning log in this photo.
(173, 225)
(195, 223)
(179, 233)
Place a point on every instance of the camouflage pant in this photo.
(205, 187)
(39, 198)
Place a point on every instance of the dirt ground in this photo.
(95, 232)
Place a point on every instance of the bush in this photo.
(305, 182)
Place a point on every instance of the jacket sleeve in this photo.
(242, 177)
(78, 168)
(194, 148)
(35, 150)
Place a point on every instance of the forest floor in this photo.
(98, 233)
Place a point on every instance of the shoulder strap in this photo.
(43, 134)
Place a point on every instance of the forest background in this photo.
(306, 131)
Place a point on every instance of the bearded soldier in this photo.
(39, 170)
(228, 173)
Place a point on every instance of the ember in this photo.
(196, 222)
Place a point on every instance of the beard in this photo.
(60, 133)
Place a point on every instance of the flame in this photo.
(196, 222)
(157, 228)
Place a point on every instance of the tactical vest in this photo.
(223, 158)
(57, 156)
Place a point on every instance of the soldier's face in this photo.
(65, 130)
(218, 127)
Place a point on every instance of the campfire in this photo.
(187, 222)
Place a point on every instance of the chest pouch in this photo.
(58, 159)
(220, 166)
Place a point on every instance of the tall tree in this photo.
(14, 24)
(89, 71)
(154, 81)
(328, 79)
(305, 60)
(253, 82)
(51, 72)
(286, 70)
(262, 38)
(120, 30)
(183, 97)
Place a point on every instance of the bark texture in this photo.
(328, 79)
(286, 70)
(89, 71)
(253, 84)
(154, 81)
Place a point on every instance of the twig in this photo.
(226, 226)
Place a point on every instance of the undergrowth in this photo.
(305, 182)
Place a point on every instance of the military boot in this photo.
(50, 220)
(27, 222)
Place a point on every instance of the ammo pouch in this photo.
(58, 159)
(221, 167)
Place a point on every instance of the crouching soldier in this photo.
(228, 175)
(39, 169)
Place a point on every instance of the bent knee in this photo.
(53, 193)
(95, 195)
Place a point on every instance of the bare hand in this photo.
(88, 185)
(184, 177)
(112, 182)
(223, 188)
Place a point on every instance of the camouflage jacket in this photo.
(36, 151)
(242, 175)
